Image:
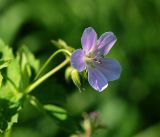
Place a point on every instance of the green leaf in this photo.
(5, 51)
(9, 91)
(4, 63)
(58, 114)
(6, 55)
(56, 111)
(62, 118)
(29, 58)
(18, 76)
(28, 66)
(1, 79)
(9, 94)
(20, 69)
(8, 114)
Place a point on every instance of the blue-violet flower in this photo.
(92, 57)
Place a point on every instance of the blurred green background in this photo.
(129, 107)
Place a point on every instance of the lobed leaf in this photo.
(18, 75)
(8, 114)
(28, 66)
(4, 63)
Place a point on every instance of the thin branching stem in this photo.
(47, 75)
(49, 60)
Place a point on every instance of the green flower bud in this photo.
(72, 73)
(62, 45)
(68, 73)
(76, 79)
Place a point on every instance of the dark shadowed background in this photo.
(130, 106)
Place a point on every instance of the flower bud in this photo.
(68, 73)
(76, 79)
(62, 45)
(75, 76)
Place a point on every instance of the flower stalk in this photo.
(49, 60)
(46, 76)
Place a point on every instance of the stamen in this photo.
(97, 61)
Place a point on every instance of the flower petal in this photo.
(88, 39)
(96, 79)
(105, 43)
(110, 68)
(77, 60)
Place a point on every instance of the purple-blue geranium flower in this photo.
(92, 57)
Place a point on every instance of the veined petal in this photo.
(96, 79)
(105, 43)
(110, 68)
(77, 60)
(88, 39)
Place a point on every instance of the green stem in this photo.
(7, 133)
(46, 76)
(49, 60)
